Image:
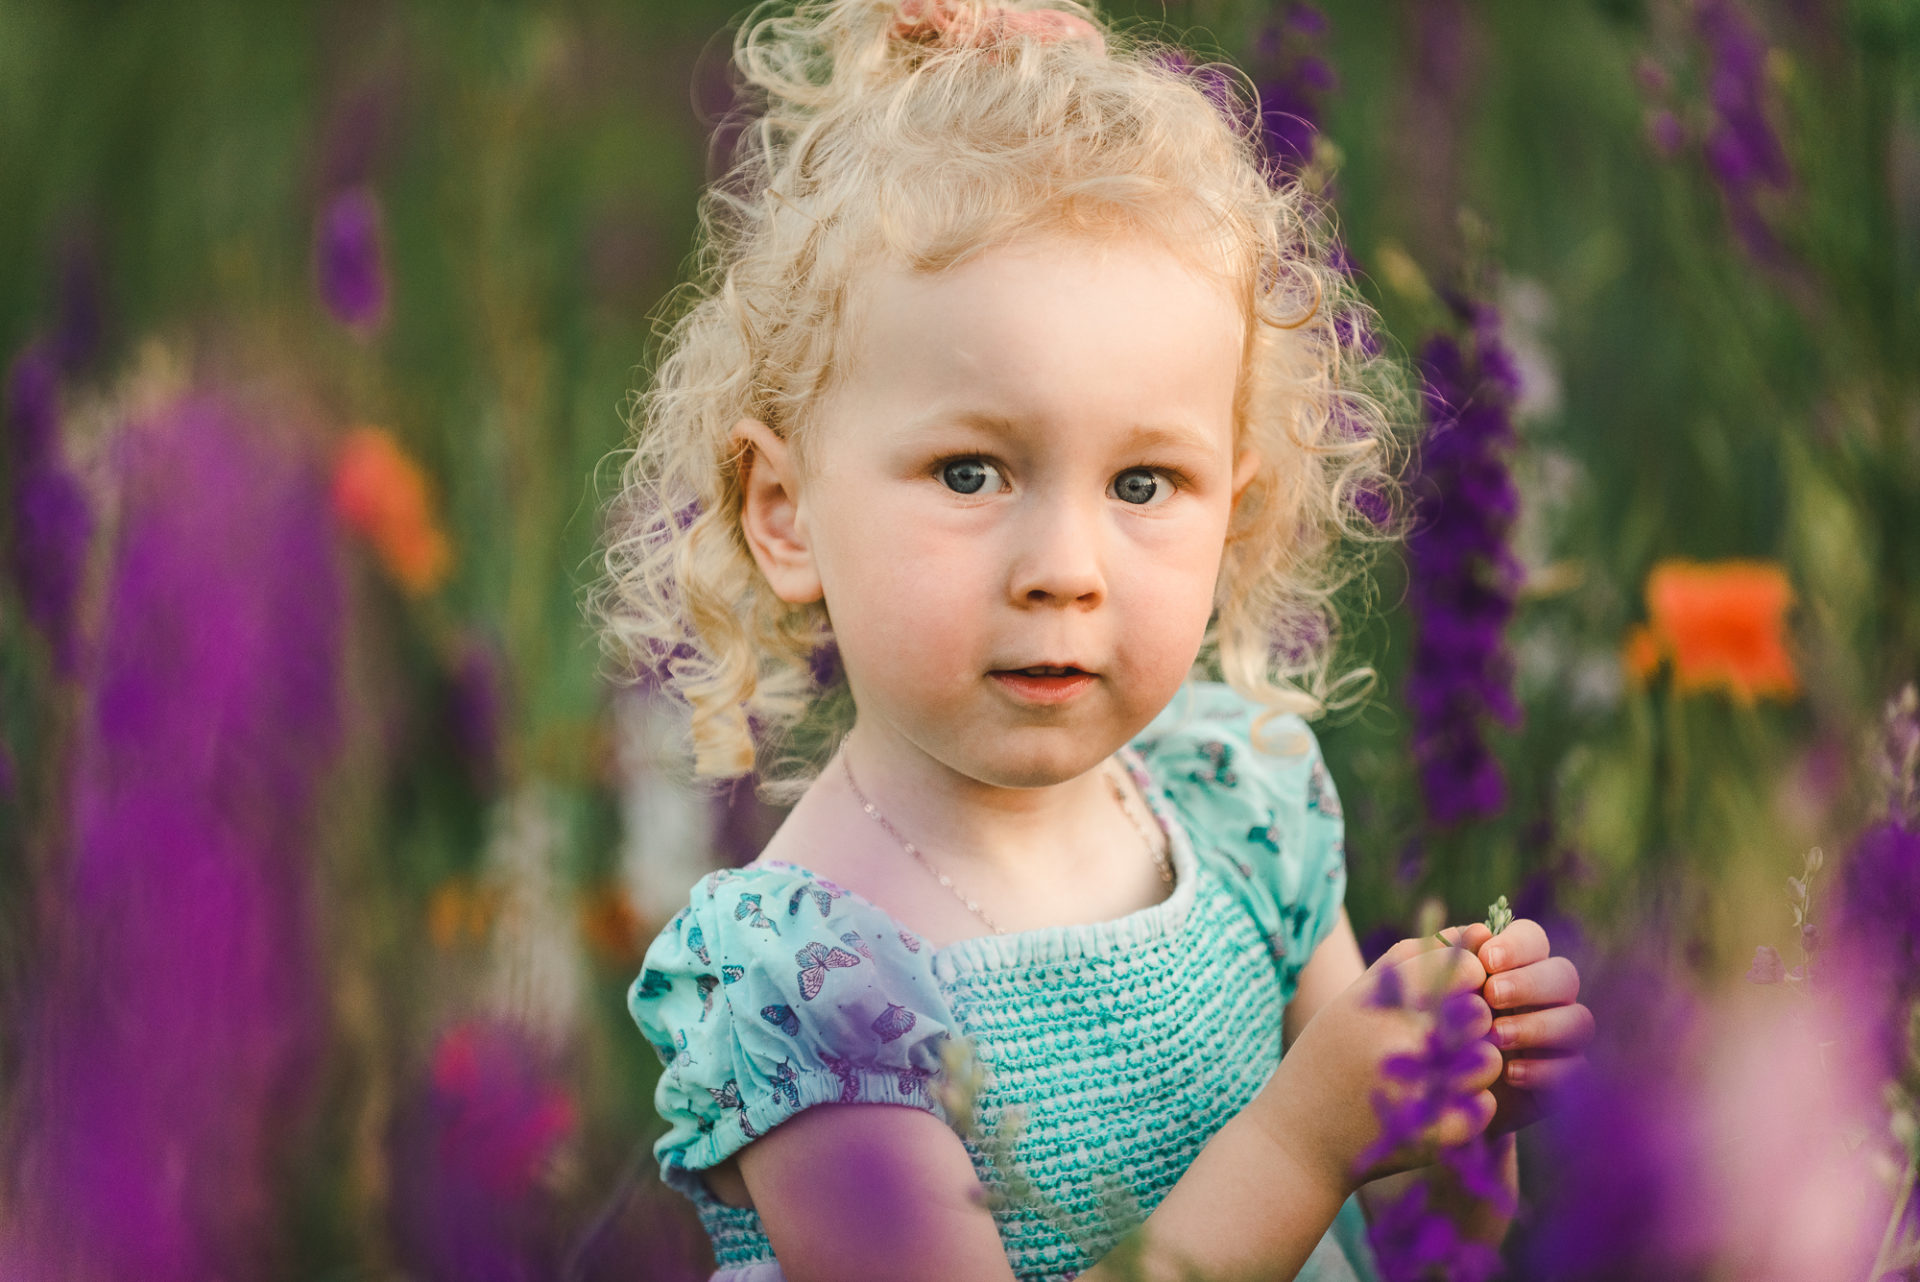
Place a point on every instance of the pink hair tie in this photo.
(947, 22)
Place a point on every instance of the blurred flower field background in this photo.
(328, 845)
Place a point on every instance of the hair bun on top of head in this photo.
(954, 22)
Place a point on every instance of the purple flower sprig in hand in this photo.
(1412, 1238)
(1542, 1033)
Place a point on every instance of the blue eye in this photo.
(967, 475)
(1141, 486)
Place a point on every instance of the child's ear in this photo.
(1244, 469)
(770, 513)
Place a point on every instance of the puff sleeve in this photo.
(772, 991)
(1268, 816)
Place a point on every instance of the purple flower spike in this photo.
(1463, 578)
(1626, 1141)
(1742, 151)
(169, 1044)
(52, 516)
(471, 1150)
(52, 530)
(33, 406)
(824, 664)
(1414, 1244)
(347, 260)
(1292, 78)
(473, 711)
(1666, 133)
(1411, 1241)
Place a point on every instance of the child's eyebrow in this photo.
(1141, 436)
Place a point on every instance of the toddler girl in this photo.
(1015, 381)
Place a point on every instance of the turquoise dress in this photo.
(1112, 1051)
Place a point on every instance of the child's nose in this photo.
(1057, 556)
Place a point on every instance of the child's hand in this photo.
(1538, 1026)
(1320, 1104)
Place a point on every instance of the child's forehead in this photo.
(1042, 330)
(890, 299)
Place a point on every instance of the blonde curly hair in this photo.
(866, 144)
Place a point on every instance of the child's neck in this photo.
(1014, 834)
(1031, 857)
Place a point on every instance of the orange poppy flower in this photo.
(1721, 624)
(611, 925)
(460, 911)
(383, 495)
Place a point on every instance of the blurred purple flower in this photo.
(1876, 948)
(1666, 133)
(1463, 577)
(824, 664)
(1742, 151)
(1413, 1244)
(52, 517)
(348, 260)
(52, 528)
(169, 1044)
(742, 823)
(469, 1154)
(33, 406)
(1292, 79)
(356, 129)
(1655, 81)
(1624, 1144)
(1211, 79)
(1876, 936)
(473, 710)
(1373, 505)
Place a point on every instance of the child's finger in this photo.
(1522, 943)
(1471, 937)
(1465, 1120)
(1407, 948)
(1556, 1028)
(1544, 1072)
(1553, 982)
(1403, 950)
(1442, 971)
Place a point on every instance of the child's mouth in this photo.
(1044, 684)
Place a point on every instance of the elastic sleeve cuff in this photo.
(739, 1127)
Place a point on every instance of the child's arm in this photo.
(852, 1192)
(863, 1191)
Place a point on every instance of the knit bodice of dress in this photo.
(1110, 1051)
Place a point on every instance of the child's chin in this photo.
(1039, 756)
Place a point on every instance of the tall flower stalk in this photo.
(168, 1041)
(1462, 576)
(52, 516)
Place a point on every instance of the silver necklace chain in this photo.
(1119, 795)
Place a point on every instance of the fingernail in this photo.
(1516, 1070)
(1496, 958)
(1498, 991)
(1502, 1032)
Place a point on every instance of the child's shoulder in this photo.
(774, 989)
(1252, 789)
(1213, 735)
(777, 925)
